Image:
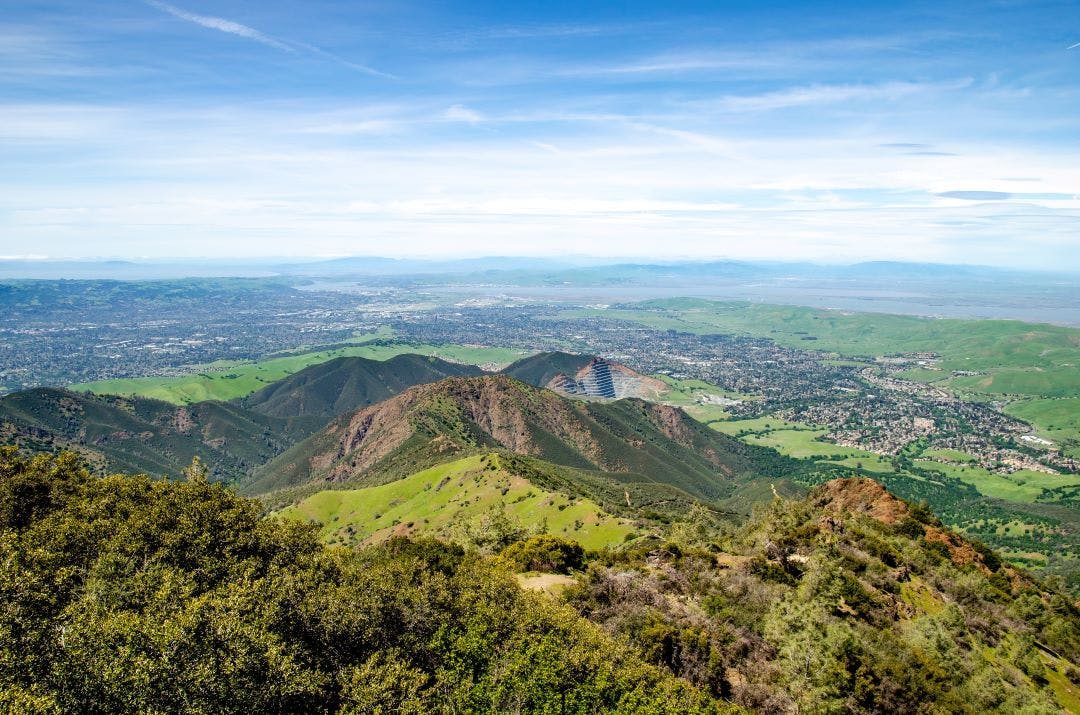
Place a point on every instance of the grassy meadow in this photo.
(446, 499)
(1023, 485)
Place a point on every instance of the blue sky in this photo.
(834, 132)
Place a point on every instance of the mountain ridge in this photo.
(429, 423)
(144, 435)
(345, 384)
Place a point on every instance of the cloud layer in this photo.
(623, 134)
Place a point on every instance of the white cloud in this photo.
(461, 113)
(834, 94)
(243, 180)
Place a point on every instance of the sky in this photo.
(833, 132)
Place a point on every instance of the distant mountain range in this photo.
(580, 267)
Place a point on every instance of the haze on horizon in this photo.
(838, 133)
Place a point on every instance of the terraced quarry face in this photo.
(601, 378)
(448, 499)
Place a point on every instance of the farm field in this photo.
(800, 441)
(226, 380)
(1021, 486)
(446, 499)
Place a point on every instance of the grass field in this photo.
(1021, 486)
(226, 380)
(800, 441)
(442, 500)
(1057, 419)
(1061, 381)
(804, 444)
(755, 425)
(689, 394)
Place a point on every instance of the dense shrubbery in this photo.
(125, 594)
(796, 613)
(544, 552)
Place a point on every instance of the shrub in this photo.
(991, 560)
(911, 528)
(547, 553)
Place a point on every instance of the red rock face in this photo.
(859, 495)
(865, 496)
(672, 422)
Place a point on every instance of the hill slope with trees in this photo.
(126, 594)
(346, 384)
(432, 423)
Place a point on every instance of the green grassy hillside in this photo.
(447, 500)
(227, 380)
(1057, 419)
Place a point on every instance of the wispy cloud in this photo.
(461, 113)
(831, 94)
(674, 64)
(344, 62)
(1073, 46)
(916, 149)
(904, 145)
(221, 24)
(976, 195)
(1003, 195)
(240, 30)
(768, 57)
(517, 32)
(710, 144)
